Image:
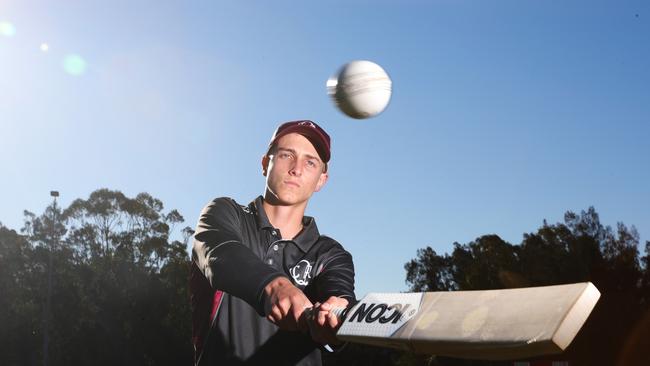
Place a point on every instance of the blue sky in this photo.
(504, 113)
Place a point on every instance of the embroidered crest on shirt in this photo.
(301, 272)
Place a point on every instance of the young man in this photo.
(256, 268)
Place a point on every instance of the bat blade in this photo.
(491, 325)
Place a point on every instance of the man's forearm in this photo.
(235, 269)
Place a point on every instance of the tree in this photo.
(20, 310)
(430, 272)
(579, 249)
(120, 285)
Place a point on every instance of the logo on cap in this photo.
(307, 123)
(316, 135)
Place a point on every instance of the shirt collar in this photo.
(257, 207)
(305, 239)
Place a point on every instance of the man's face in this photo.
(293, 170)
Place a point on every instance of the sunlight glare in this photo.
(74, 64)
(7, 29)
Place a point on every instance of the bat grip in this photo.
(310, 313)
(339, 312)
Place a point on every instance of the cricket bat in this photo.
(490, 325)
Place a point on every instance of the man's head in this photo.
(313, 132)
(295, 165)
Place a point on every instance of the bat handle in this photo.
(340, 313)
(310, 313)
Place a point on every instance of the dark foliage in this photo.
(119, 289)
(580, 249)
(119, 285)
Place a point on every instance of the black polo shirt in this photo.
(236, 253)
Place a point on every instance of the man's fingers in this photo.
(335, 302)
(325, 317)
(285, 306)
(275, 315)
(320, 317)
(287, 312)
(288, 304)
(332, 320)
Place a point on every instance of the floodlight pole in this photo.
(48, 302)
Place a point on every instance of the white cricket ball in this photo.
(361, 89)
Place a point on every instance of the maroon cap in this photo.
(316, 135)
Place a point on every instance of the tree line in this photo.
(118, 287)
(101, 282)
(579, 249)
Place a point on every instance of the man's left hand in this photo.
(324, 324)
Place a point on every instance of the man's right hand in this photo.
(287, 304)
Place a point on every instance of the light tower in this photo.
(48, 301)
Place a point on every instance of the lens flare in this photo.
(7, 29)
(44, 47)
(74, 65)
